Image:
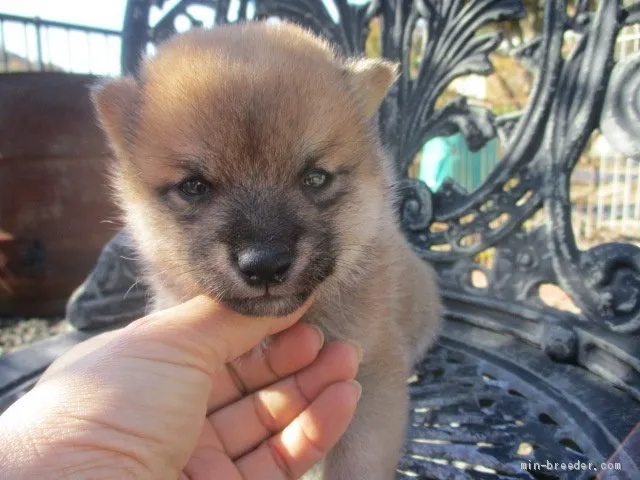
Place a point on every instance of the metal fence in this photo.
(32, 44)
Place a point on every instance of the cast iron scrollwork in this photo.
(605, 280)
(545, 144)
(416, 208)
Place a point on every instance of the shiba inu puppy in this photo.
(249, 169)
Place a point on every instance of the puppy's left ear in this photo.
(370, 79)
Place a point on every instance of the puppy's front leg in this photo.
(370, 448)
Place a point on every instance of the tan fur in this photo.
(245, 104)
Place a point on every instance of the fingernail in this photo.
(358, 349)
(357, 387)
(320, 335)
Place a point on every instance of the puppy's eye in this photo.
(316, 178)
(194, 187)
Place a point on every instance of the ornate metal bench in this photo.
(512, 382)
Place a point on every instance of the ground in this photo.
(15, 332)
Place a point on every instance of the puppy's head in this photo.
(247, 163)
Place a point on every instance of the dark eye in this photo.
(194, 187)
(316, 178)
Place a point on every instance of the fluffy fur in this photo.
(246, 110)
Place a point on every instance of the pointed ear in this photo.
(370, 78)
(116, 102)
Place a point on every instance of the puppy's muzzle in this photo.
(263, 265)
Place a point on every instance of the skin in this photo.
(180, 394)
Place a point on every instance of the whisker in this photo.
(129, 289)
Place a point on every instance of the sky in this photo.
(74, 51)
(96, 13)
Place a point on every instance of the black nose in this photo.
(263, 264)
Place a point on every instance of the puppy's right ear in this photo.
(116, 103)
(370, 78)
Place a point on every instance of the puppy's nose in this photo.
(263, 264)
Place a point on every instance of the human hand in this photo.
(176, 395)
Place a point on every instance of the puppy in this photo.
(249, 169)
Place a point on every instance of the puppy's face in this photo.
(246, 164)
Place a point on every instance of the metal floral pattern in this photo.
(564, 109)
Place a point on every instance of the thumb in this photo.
(206, 332)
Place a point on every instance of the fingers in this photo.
(273, 408)
(290, 351)
(202, 333)
(307, 439)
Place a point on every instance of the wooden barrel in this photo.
(55, 208)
